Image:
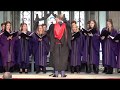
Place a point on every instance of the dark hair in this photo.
(95, 26)
(2, 24)
(110, 20)
(73, 22)
(21, 24)
(44, 25)
(88, 22)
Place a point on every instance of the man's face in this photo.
(44, 28)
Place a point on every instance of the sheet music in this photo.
(111, 37)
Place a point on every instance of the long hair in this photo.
(95, 24)
(110, 20)
(37, 30)
(7, 22)
(22, 24)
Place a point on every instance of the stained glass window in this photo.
(25, 16)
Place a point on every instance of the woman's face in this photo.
(24, 27)
(40, 29)
(109, 25)
(8, 26)
(74, 28)
(92, 24)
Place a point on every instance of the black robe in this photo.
(59, 52)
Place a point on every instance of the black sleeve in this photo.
(69, 35)
(51, 36)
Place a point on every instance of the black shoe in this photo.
(77, 69)
(88, 68)
(44, 69)
(110, 70)
(83, 66)
(64, 76)
(105, 70)
(55, 75)
(72, 69)
(26, 72)
(95, 69)
(20, 72)
(37, 69)
(37, 72)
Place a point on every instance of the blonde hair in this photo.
(76, 27)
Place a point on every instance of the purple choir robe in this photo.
(76, 51)
(0, 52)
(91, 49)
(7, 54)
(109, 50)
(40, 50)
(118, 55)
(23, 50)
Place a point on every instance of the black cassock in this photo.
(59, 52)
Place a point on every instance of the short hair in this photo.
(7, 75)
(73, 22)
(2, 23)
(88, 22)
(60, 16)
(95, 26)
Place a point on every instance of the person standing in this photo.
(40, 49)
(91, 48)
(60, 44)
(76, 51)
(23, 48)
(7, 43)
(109, 48)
